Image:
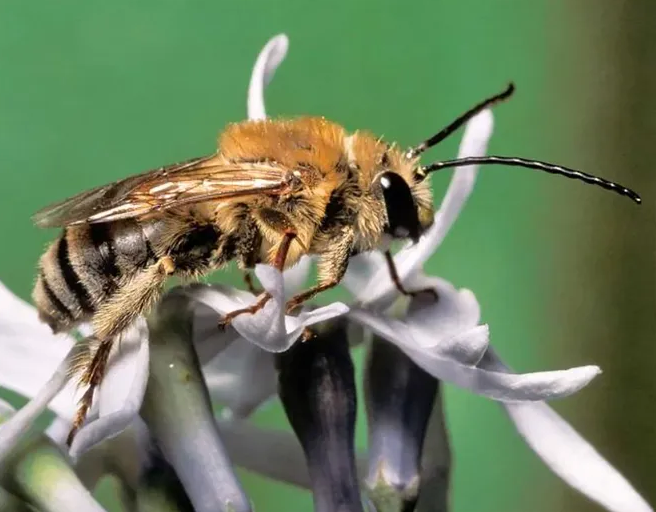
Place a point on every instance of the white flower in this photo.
(443, 338)
(446, 341)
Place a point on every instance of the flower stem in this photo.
(39, 473)
(179, 414)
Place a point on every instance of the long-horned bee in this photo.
(273, 191)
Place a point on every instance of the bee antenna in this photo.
(532, 164)
(448, 130)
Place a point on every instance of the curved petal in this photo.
(269, 328)
(266, 64)
(296, 276)
(30, 352)
(58, 430)
(361, 270)
(209, 340)
(13, 430)
(496, 385)
(568, 454)
(28, 360)
(17, 314)
(241, 377)
(454, 312)
(276, 454)
(122, 390)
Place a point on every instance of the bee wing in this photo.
(200, 179)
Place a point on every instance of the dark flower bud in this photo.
(317, 387)
(400, 398)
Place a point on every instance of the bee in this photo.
(272, 192)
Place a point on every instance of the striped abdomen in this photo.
(86, 265)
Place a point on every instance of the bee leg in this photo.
(399, 285)
(300, 298)
(248, 279)
(279, 263)
(92, 377)
(332, 267)
(112, 318)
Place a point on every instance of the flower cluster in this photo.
(154, 425)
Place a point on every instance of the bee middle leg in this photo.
(332, 267)
(111, 319)
(399, 285)
(279, 263)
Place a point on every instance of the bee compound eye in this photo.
(402, 218)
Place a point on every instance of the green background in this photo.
(92, 91)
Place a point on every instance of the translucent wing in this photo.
(200, 179)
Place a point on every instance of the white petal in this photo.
(495, 385)
(454, 312)
(568, 455)
(30, 352)
(12, 430)
(467, 347)
(268, 328)
(16, 313)
(360, 273)
(58, 430)
(379, 290)
(266, 64)
(296, 276)
(242, 377)
(276, 454)
(208, 339)
(28, 360)
(121, 393)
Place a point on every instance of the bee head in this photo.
(402, 218)
(408, 203)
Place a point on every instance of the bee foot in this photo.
(227, 320)
(307, 335)
(427, 291)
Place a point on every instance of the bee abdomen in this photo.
(61, 296)
(85, 266)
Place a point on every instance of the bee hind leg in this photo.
(399, 285)
(279, 263)
(111, 319)
(92, 376)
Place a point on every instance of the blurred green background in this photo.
(565, 273)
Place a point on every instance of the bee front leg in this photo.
(279, 263)
(399, 285)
